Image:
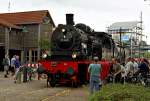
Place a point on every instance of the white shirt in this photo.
(123, 71)
(13, 61)
(135, 64)
(129, 67)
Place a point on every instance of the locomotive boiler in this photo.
(72, 48)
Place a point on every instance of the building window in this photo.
(27, 55)
(31, 56)
(34, 56)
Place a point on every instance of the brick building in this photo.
(20, 33)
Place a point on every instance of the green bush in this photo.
(119, 92)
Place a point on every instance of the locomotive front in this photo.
(68, 41)
(65, 38)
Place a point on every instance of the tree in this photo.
(45, 44)
(147, 54)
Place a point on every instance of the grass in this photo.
(119, 92)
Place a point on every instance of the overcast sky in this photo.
(98, 14)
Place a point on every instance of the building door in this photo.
(14, 52)
(2, 55)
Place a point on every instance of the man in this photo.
(94, 70)
(144, 70)
(115, 70)
(136, 66)
(144, 67)
(6, 63)
(13, 59)
(17, 67)
(130, 67)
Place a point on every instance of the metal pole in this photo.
(120, 32)
(9, 6)
(131, 45)
(139, 49)
(141, 25)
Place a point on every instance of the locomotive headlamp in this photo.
(64, 36)
(44, 56)
(74, 55)
(63, 30)
(84, 45)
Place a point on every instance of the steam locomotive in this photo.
(72, 48)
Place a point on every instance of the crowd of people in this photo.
(124, 73)
(118, 73)
(14, 67)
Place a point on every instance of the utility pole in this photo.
(9, 6)
(7, 32)
(131, 43)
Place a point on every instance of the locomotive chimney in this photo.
(69, 19)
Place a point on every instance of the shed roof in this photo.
(7, 24)
(29, 17)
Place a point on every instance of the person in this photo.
(13, 59)
(144, 67)
(6, 63)
(115, 70)
(17, 67)
(39, 67)
(25, 72)
(94, 70)
(123, 74)
(136, 66)
(144, 70)
(130, 67)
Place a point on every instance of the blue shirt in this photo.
(94, 69)
(17, 63)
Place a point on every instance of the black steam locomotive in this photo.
(72, 48)
(79, 41)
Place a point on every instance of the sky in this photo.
(98, 14)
